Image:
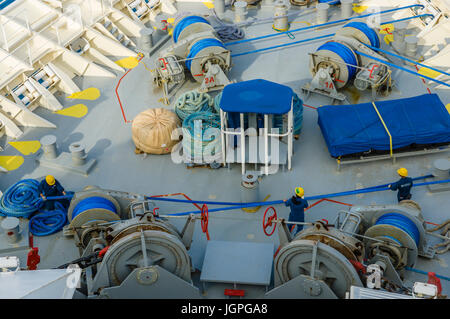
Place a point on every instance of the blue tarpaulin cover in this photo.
(256, 96)
(350, 129)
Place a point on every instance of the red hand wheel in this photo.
(269, 222)
(204, 220)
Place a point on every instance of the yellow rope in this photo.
(385, 127)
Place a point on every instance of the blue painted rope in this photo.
(369, 32)
(323, 24)
(48, 222)
(354, 192)
(331, 2)
(297, 106)
(200, 45)
(407, 59)
(184, 23)
(93, 202)
(282, 45)
(21, 199)
(402, 222)
(426, 273)
(347, 55)
(402, 68)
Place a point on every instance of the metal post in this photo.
(222, 136)
(242, 143)
(290, 135)
(266, 144)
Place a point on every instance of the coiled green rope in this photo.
(199, 141)
(192, 102)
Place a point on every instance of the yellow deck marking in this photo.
(359, 9)
(448, 107)
(388, 38)
(88, 94)
(428, 72)
(171, 20)
(26, 147)
(208, 4)
(78, 110)
(11, 163)
(170, 31)
(387, 28)
(128, 63)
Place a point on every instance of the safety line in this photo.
(117, 93)
(424, 82)
(409, 18)
(323, 24)
(402, 68)
(385, 127)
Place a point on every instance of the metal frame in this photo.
(289, 133)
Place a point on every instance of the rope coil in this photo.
(180, 26)
(21, 199)
(197, 144)
(199, 46)
(48, 222)
(346, 54)
(369, 32)
(94, 202)
(402, 222)
(193, 102)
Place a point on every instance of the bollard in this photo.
(280, 11)
(78, 153)
(250, 188)
(12, 230)
(441, 168)
(145, 40)
(322, 13)
(240, 11)
(346, 8)
(48, 143)
(219, 7)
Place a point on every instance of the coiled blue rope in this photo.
(402, 222)
(93, 202)
(200, 45)
(369, 32)
(347, 55)
(21, 199)
(48, 222)
(195, 142)
(184, 23)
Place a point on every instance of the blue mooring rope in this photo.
(21, 199)
(93, 202)
(401, 222)
(369, 32)
(347, 55)
(184, 23)
(47, 222)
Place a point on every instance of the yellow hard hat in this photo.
(50, 180)
(403, 172)
(299, 191)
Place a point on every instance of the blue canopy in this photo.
(352, 129)
(256, 96)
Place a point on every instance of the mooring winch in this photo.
(142, 254)
(367, 246)
(337, 63)
(196, 46)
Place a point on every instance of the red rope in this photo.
(117, 93)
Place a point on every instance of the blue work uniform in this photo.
(49, 191)
(403, 186)
(297, 214)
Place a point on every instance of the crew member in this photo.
(297, 204)
(50, 187)
(403, 185)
